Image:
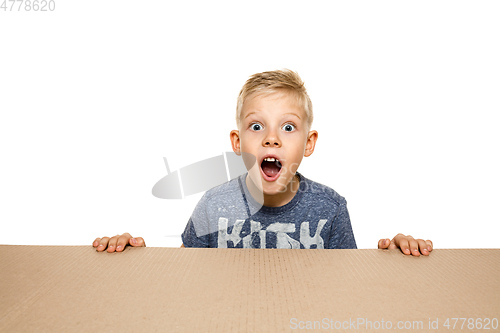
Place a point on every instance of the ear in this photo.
(235, 141)
(311, 143)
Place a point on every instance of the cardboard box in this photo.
(76, 289)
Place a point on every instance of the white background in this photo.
(96, 93)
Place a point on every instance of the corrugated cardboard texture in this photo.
(76, 289)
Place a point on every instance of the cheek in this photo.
(250, 140)
(299, 143)
(249, 159)
(295, 165)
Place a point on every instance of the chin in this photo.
(274, 191)
(276, 187)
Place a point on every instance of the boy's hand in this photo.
(117, 243)
(407, 244)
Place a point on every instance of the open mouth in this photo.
(270, 168)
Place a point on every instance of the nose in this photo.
(271, 140)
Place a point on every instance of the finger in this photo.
(392, 246)
(122, 241)
(430, 246)
(401, 241)
(422, 245)
(96, 242)
(384, 243)
(414, 247)
(103, 243)
(397, 239)
(137, 241)
(112, 243)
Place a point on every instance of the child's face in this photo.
(273, 125)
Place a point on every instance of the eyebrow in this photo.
(293, 114)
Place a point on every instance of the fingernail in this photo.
(428, 247)
(385, 242)
(119, 247)
(425, 251)
(133, 241)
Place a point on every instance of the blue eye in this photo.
(288, 127)
(256, 127)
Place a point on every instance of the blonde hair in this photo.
(267, 83)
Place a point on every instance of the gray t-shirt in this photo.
(227, 216)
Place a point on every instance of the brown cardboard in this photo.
(76, 289)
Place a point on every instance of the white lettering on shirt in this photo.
(307, 240)
(283, 240)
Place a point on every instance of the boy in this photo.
(272, 205)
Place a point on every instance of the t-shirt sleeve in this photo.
(341, 236)
(196, 233)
